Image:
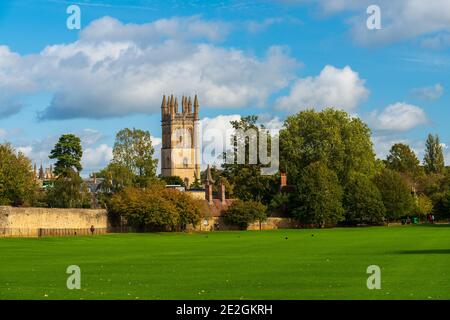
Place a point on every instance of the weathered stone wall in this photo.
(218, 223)
(26, 221)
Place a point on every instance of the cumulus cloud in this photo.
(96, 158)
(117, 69)
(401, 19)
(429, 93)
(398, 117)
(333, 87)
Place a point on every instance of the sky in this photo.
(268, 58)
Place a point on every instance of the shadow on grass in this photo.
(431, 251)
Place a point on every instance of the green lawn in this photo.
(309, 264)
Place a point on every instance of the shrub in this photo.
(241, 213)
(155, 208)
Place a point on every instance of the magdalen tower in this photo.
(180, 139)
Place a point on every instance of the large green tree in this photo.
(362, 201)
(67, 153)
(17, 182)
(247, 182)
(434, 156)
(402, 159)
(133, 149)
(332, 137)
(396, 194)
(319, 196)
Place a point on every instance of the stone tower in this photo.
(180, 139)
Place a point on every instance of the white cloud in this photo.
(383, 144)
(429, 93)
(131, 66)
(401, 19)
(2, 133)
(398, 117)
(333, 87)
(96, 158)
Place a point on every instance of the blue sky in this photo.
(271, 58)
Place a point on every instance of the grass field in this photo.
(309, 264)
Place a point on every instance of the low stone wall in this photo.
(26, 222)
(218, 224)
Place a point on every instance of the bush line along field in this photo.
(279, 264)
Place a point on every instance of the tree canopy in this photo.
(133, 149)
(402, 159)
(68, 153)
(331, 137)
(434, 155)
(17, 182)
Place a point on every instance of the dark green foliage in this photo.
(362, 201)
(318, 198)
(403, 160)
(173, 180)
(68, 154)
(434, 155)
(242, 213)
(246, 180)
(396, 194)
(332, 137)
(68, 191)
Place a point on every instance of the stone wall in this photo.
(27, 221)
(218, 224)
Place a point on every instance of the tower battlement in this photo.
(170, 110)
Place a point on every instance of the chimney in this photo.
(222, 193)
(283, 181)
(95, 178)
(209, 192)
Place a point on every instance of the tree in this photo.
(17, 182)
(68, 191)
(434, 155)
(68, 154)
(246, 180)
(396, 194)
(332, 137)
(133, 149)
(319, 196)
(173, 180)
(116, 177)
(403, 160)
(424, 205)
(362, 201)
(242, 213)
